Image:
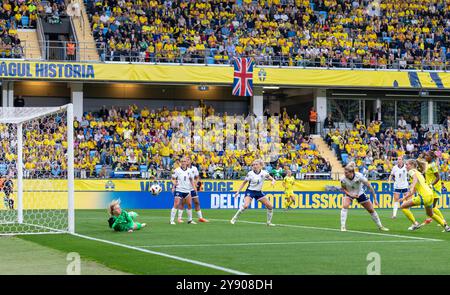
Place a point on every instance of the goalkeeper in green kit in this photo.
(122, 220)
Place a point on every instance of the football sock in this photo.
(239, 212)
(288, 203)
(189, 214)
(172, 214)
(343, 217)
(180, 213)
(199, 214)
(438, 213)
(409, 215)
(269, 215)
(438, 219)
(396, 205)
(376, 219)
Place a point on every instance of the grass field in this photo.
(303, 242)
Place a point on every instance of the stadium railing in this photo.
(86, 174)
(209, 57)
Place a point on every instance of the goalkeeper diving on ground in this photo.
(121, 220)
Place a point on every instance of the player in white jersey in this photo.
(255, 178)
(183, 182)
(352, 185)
(196, 176)
(400, 175)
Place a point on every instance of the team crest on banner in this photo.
(243, 77)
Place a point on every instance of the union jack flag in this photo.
(243, 77)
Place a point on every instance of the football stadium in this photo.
(235, 137)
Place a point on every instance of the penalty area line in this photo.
(335, 229)
(281, 243)
(196, 262)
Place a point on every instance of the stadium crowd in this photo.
(121, 141)
(44, 148)
(135, 139)
(375, 149)
(322, 33)
(10, 14)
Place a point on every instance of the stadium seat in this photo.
(3, 169)
(210, 60)
(344, 157)
(98, 168)
(143, 168)
(25, 21)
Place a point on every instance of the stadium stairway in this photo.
(30, 42)
(88, 48)
(337, 169)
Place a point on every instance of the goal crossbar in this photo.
(13, 115)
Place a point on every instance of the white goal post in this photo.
(36, 170)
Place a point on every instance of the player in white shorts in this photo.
(255, 178)
(194, 195)
(352, 185)
(400, 175)
(183, 182)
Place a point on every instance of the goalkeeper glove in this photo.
(111, 221)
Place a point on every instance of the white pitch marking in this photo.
(224, 269)
(338, 230)
(281, 243)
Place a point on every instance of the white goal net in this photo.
(36, 170)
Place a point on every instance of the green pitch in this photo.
(304, 242)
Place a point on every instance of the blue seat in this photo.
(387, 39)
(3, 169)
(25, 21)
(182, 50)
(98, 168)
(210, 60)
(291, 34)
(344, 157)
(91, 154)
(143, 168)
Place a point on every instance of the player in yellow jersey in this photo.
(288, 184)
(424, 195)
(434, 181)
